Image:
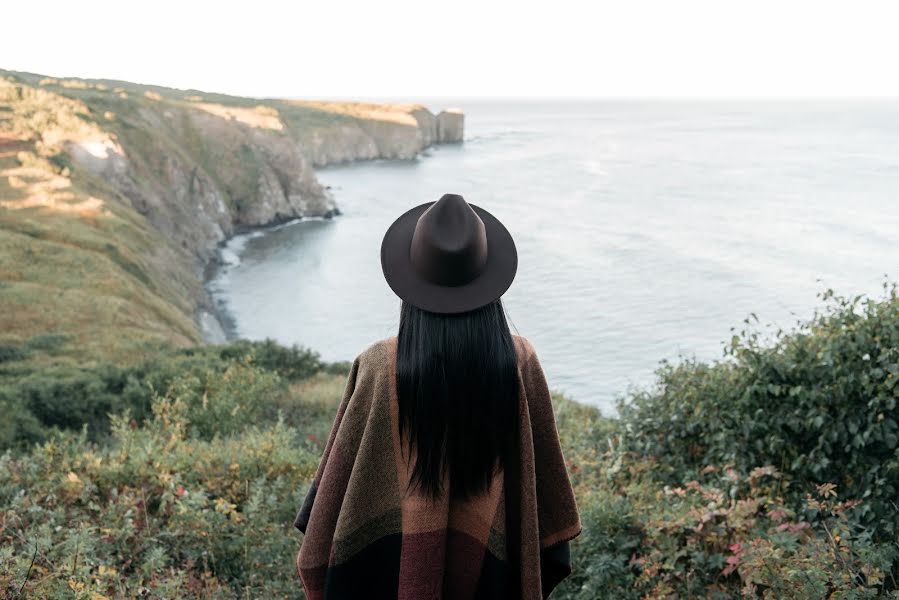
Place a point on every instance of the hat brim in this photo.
(404, 280)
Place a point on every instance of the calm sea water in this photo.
(645, 230)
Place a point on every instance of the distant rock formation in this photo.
(450, 125)
(371, 131)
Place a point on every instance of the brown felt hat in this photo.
(448, 256)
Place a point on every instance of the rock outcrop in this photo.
(450, 125)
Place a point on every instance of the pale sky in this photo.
(404, 48)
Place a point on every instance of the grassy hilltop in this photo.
(137, 462)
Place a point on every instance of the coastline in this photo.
(216, 321)
(144, 185)
(223, 327)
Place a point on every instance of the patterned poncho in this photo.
(366, 537)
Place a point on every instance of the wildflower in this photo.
(827, 489)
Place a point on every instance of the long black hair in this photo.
(457, 387)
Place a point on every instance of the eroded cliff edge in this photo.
(138, 185)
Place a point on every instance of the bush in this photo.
(819, 403)
(70, 397)
(48, 342)
(18, 427)
(157, 510)
(728, 534)
(720, 483)
(214, 403)
(602, 553)
(12, 352)
(292, 363)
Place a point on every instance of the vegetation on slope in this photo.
(189, 499)
(772, 473)
(76, 260)
(719, 482)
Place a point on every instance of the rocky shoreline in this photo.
(217, 324)
(389, 139)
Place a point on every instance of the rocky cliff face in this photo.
(367, 131)
(450, 125)
(196, 167)
(199, 176)
(200, 166)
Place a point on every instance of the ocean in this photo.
(646, 230)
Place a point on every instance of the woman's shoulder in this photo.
(377, 351)
(523, 343)
(523, 348)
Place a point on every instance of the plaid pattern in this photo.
(365, 536)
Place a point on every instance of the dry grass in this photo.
(81, 266)
(261, 117)
(322, 390)
(312, 403)
(394, 113)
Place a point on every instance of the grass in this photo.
(87, 269)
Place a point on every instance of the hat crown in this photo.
(449, 244)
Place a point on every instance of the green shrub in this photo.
(726, 534)
(601, 554)
(292, 362)
(48, 342)
(182, 479)
(819, 403)
(156, 511)
(70, 397)
(214, 403)
(18, 427)
(12, 352)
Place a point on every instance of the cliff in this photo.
(450, 125)
(377, 131)
(114, 196)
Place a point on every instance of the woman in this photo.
(443, 476)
